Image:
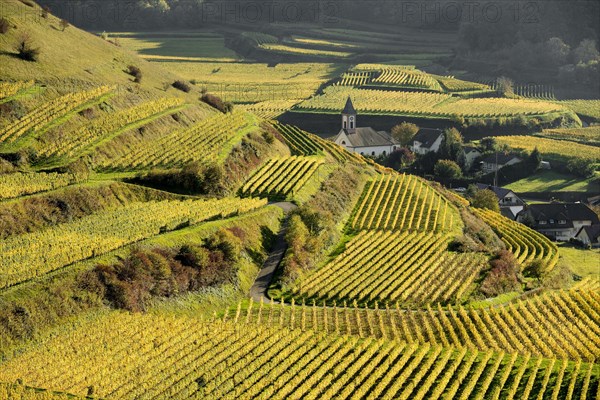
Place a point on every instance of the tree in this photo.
(485, 198)
(586, 52)
(534, 160)
(404, 133)
(535, 269)
(557, 51)
(25, 49)
(400, 158)
(64, 24)
(447, 169)
(505, 86)
(4, 26)
(488, 144)
(136, 72)
(451, 147)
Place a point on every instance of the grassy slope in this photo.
(73, 56)
(582, 262)
(551, 181)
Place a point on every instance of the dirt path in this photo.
(259, 289)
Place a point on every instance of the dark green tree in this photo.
(447, 169)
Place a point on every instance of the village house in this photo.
(364, 140)
(510, 204)
(559, 221)
(471, 154)
(494, 162)
(427, 140)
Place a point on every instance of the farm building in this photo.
(496, 161)
(560, 221)
(427, 140)
(510, 203)
(366, 141)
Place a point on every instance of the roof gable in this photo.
(592, 232)
(427, 136)
(500, 192)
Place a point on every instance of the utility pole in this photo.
(496, 170)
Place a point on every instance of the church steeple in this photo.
(349, 117)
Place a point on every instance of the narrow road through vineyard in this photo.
(259, 289)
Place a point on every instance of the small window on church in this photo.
(373, 153)
(351, 125)
(344, 142)
(345, 124)
(384, 152)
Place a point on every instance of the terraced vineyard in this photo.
(281, 178)
(552, 149)
(451, 84)
(83, 138)
(526, 244)
(9, 89)
(402, 202)
(562, 324)
(410, 78)
(585, 108)
(300, 142)
(260, 38)
(588, 136)
(286, 49)
(30, 255)
(355, 79)
(20, 184)
(269, 110)
(386, 267)
(435, 105)
(229, 360)
(38, 119)
(204, 142)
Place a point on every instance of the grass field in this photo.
(551, 181)
(252, 83)
(580, 261)
(158, 46)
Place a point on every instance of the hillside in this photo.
(72, 56)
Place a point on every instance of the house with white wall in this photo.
(494, 162)
(427, 140)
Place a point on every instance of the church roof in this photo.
(349, 108)
(369, 137)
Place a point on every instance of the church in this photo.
(366, 141)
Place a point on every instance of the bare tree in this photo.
(505, 86)
(64, 24)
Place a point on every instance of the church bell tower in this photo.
(349, 117)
